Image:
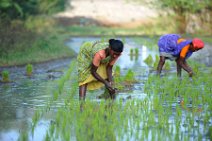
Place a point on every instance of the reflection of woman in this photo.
(95, 63)
(173, 47)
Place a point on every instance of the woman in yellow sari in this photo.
(95, 63)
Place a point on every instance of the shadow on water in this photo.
(20, 98)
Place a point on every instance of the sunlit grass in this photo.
(5, 76)
(41, 50)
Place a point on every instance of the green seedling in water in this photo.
(149, 60)
(29, 69)
(24, 136)
(131, 51)
(117, 71)
(155, 65)
(167, 66)
(118, 78)
(35, 120)
(136, 51)
(131, 57)
(128, 118)
(130, 77)
(136, 57)
(5, 76)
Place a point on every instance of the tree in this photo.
(21, 9)
(184, 7)
(181, 8)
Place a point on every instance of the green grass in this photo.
(43, 49)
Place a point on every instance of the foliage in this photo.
(167, 66)
(179, 6)
(171, 107)
(29, 69)
(47, 47)
(131, 51)
(16, 9)
(181, 11)
(12, 33)
(155, 65)
(130, 77)
(117, 71)
(5, 76)
(136, 51)
(149, 60)
(39, 24)
(185, 6)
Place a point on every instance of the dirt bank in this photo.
(107, 13)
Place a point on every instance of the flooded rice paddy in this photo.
(45, 106)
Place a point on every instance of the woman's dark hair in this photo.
(116, 45)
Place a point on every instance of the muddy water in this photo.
(20, 97)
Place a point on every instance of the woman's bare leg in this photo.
(82, 92)
(179, 69)
(160, 64)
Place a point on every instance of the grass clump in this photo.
(23, 41)
(29, 69)
(5, 76)
(129, 77)
(149, 60)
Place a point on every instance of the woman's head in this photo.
(197, 44)
(116, 47)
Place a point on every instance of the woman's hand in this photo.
(108, 86)
(112, 90)
(190, 74)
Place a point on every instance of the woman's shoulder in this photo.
(180, 40)
(102, 53)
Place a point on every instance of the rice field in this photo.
(147, 107)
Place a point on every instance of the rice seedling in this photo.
(155, 65)
(136, 51)
(24, 136)
(35, 119)
(160, 113)
(117, 71)
(167, 66)
(130, 77)
(149, 60)
(131, 51)
(47, 137)
(5, 76)
(29, 69)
